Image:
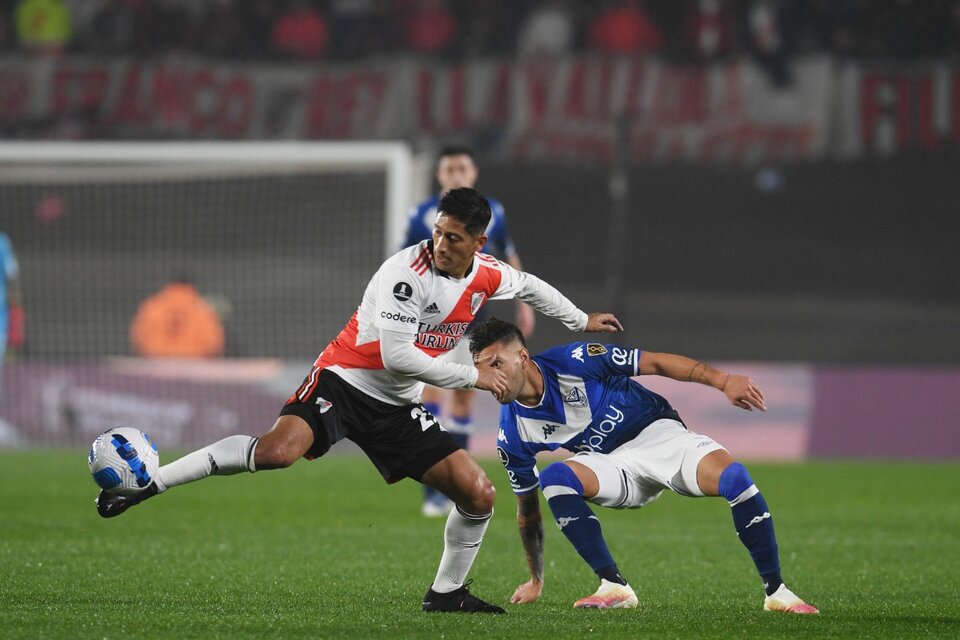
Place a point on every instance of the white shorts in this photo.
(663, 456)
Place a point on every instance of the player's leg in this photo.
(287, 441)
(566, 485)
(457, 421)
(435, 504)
(296, 432)
(459, 476)
(719, 475)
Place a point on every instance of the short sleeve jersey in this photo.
(590, 403)
(423, 216)
(408, 294)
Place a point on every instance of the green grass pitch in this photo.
(326, 550)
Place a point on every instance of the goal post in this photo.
(279, 237)
(42, 159)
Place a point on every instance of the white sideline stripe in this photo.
(313, 378)
(555, 490)
(748, 493)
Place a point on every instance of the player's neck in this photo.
(532, 393)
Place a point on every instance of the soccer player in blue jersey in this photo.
(629, 446)
(456, 167)
(11, 309)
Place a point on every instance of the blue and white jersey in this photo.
(423, 215)
(590, 403)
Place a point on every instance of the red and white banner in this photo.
(525, 110)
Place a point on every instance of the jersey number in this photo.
(426, 420)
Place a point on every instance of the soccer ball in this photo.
(123, 460)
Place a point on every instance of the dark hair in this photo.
(456, 150)
(491, 331)
(468, 207)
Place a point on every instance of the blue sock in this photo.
(429, 493)
(460, 428)
(751, 518)
(564, 494)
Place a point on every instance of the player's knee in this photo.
(481, 499)
(275, 455)
(559, 479)
(735, 482)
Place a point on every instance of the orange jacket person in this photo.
(177, 322)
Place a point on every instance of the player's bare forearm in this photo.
(740, 390)
(680, 368)
(530, 524)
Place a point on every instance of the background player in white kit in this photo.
(630, 445)
(456, 168)
(366, 385)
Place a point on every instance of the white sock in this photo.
(461, 542)
(222, 458)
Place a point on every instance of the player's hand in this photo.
(528, 592)
(526, 319)
(605, 322)
(492, 380)
(743, 392)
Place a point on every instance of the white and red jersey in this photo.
(409, 295)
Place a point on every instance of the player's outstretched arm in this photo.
(740, 390)
(530, 523)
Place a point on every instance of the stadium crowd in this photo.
(339, 30)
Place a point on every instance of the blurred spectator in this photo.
(429, 27)
(625, 28)
(223, 31)
(952, 29)
(361, 27)
(113, 27)
(766, 25)
(44, 25)
(711, 29)
(168, 24)
(487, 28)
(547, 31)
(177, 322)
(300, 32)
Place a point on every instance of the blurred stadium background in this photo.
(764, 182)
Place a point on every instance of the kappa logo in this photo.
(324, 404)
(576, 398)
(214, 467)
(758, 519)
(501, 437)
(594, 349)
(402, 291)
(431, 310)
(475, 301)
(549, 429)
(577, 354)
(562, 522)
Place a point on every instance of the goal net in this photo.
(278, 238)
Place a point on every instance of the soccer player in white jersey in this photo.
(366, 386)
(630, 445)
(457, 167)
